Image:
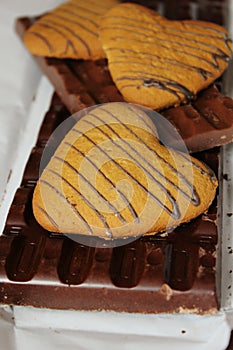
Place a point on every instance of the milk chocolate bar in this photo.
(171, 273)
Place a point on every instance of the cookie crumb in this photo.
(166, 291)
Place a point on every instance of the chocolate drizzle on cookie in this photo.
(71, 34)
(170, 86)
(181, 46)
(106, 177)
(42, 38)
(175, 213)
(69, 43)
(193, 197)
(96, 211)
(69, 31)
(139, 160)
(151, 60)
(119, 142)
(64, 199)
(178, 57)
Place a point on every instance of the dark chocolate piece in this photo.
(204, 123)
(162, 273)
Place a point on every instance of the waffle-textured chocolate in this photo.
(163, 273)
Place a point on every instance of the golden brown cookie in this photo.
(111, 177)
(160, 63)
(69, 31)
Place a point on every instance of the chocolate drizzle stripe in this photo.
(42, 38)
(129, 205)
(156, 84)
(204, 73)
(94, 189)
(77, 14)
(61, 196)
(209, 174)
(78, 24)
(143, 120)
(161, 83)
(68, 42)
(138, 183)
(214, 64)
(73, 33)
(85, 199)
(195, 200)
(44, 212)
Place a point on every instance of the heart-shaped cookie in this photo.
(69, 31)
(111, 177)
(160, 63)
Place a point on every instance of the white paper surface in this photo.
(29, 328)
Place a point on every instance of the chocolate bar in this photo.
(204, 123)
(171, 273)
(209, 10)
